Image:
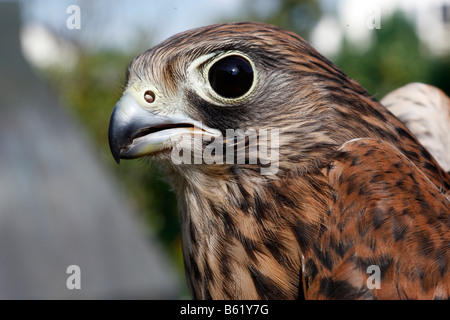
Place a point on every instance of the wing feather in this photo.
(386, 213)
(425, 111)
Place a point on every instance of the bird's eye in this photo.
(231, 77)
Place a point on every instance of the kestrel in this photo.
(293, 182)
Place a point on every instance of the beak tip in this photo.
(114, 136)
(117, 159)
(115, 150)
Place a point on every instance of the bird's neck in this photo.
(243, 237)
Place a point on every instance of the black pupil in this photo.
(231, 77)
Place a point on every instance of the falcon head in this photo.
(238, 76)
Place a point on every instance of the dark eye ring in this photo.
(231, 77)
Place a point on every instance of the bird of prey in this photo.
(351, 207)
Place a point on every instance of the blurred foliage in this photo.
(299, 16)
(395, 58)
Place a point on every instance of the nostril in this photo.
(149, 96)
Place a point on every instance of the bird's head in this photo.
(249, 80)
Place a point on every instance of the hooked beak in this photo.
(135, 132)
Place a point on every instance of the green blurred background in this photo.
(382, 60)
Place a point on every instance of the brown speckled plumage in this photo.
(335, 206)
